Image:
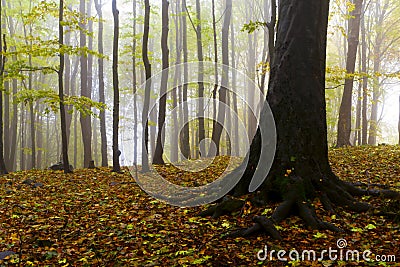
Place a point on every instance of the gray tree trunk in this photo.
(159, 151)
(344, 124)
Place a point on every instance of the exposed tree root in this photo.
(331, 192)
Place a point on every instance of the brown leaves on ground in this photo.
(99, 218)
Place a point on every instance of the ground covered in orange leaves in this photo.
(99, 218)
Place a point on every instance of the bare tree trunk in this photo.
(214, 95)
(3, 169)
(14, 121)
(67, 86)
(216, 135)
(344, 124)
(364, 134)
(147, 66)
(373, 125)
(104, 159)
(64, 139)
(200, 57)
(159, 151)
(22, 140)
(116, 152)
(177, 75)
(84, 118)
(134, 84)
(235, 133)
(251, 67)
(185, 146)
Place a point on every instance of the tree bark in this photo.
(147, 66)
(185, 145)
(217, 130)
(134, 84)
(116, 152)
(235, 133)
(84, 118)
(64, 138)
(3, 169)
(159, 151)
(300, 171)
(364, 134)
(174, 139)
(104, 157)
(344, 124)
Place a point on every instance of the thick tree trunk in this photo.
(116, 152)
(344, 124)
(159, 151)
(296, 95)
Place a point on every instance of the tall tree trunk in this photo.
(215, 42)
(159, 151)
(200, 58)
(217, 131)
(67, 85)
(116, 151)
(177, 76)
(235, 133)
(344, 124)
(84, 118)
(64, 139)
(147, 66)
(14, 121)
(300, 170)
(134, 84)
(185, 145)
(251, 73)
(22, 140)
(104, 159)
(364, 134)
(3, 169)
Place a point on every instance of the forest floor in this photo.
(98, 218)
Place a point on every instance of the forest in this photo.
(188, 132)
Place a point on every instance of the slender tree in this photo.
(85, 120)
(364, 133)
(116, 152)
(217, 130)
(200, 58)
(146, 104)
(134, 83)
(64, 138)
(344, 124)
(3, 169)
(158, 154)
(104, 158)
(185, 146)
